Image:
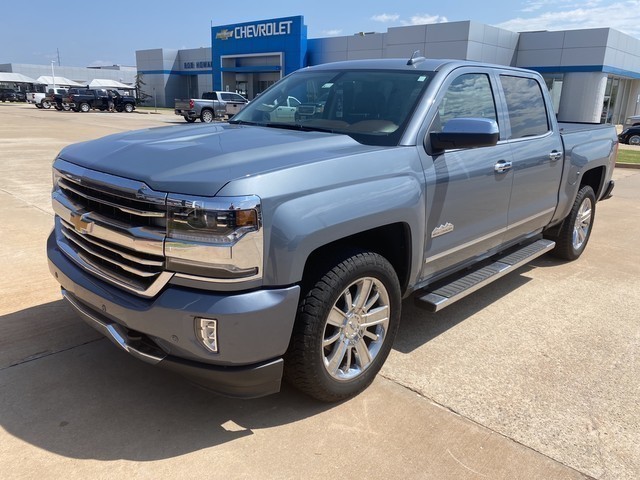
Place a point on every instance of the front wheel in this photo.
(576, 228)
(345, 328)
(85, 107)
(128, 107)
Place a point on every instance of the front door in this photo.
(467, 191)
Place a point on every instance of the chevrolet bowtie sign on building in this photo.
(250, 57)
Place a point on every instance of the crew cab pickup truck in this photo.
(85, 99)
(212, 105)
(240, 253)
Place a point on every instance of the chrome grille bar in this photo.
(112, 227)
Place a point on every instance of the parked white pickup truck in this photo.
(42, 99)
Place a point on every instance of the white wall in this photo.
(582, 97)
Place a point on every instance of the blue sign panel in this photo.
(231, 44)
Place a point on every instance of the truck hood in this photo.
(201, 159)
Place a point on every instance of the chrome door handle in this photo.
(502, 166)
(555, 156)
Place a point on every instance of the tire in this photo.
(634, 140)
(333, 354)
(119, 109)
(38, 105)
(206, 116)
(573, 236)
(46, 104)
(128, 107)
(84, 107)
(189, 119)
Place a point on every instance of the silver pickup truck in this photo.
(282, 246)
(212, 105)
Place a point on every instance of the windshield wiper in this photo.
(241, 122)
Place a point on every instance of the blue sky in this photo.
(94, 33)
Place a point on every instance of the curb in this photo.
(628, 165)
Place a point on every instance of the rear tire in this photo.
(46, 104)
(128, 108)
(84, 107)
(634, 140)
(38, 105)
(345, 328)
(206, 116)
(189, 119)
(575, 231)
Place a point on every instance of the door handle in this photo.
(502, 166)
(555, 156)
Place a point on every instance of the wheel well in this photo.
(391, 241)
(594, 179)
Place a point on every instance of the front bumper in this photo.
(254, 328)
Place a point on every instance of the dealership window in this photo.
(616, 97)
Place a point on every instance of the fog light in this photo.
(207, 331)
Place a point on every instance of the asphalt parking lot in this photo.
(535, 377)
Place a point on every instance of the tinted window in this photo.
(525, 105)
(468, 96)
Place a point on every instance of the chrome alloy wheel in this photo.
(582, 224)
(356, 328)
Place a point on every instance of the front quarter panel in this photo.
(310, 206)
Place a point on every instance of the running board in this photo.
(460, 287)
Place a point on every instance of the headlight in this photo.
(219, 237)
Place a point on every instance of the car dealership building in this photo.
(593, 74)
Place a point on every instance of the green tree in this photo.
(141, 95)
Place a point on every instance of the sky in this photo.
(89, 34)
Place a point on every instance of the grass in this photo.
(629, 156)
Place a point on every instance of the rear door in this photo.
(467, 191)
(537, 152)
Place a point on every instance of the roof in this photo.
(104, 83)
(64, 81)
(16, 77)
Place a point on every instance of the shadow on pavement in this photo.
(419, 326)
(93, 401)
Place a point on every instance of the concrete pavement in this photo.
(536, 376)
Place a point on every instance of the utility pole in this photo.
(58, 51)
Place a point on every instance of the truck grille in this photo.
(112, 227)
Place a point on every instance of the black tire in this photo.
(574, 234)
(128, 107)
(634, 140)
(119, 108)
(206, 116)
(46, 104)
(38, 105)
(84, 107)
(335, 371)
(189, 119)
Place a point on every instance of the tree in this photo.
(141, 95)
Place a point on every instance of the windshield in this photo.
(373, 107)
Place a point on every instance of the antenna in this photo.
(416, 58)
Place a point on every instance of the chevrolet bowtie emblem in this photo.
(224, 34)
(80, 224)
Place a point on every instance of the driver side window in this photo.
(468, 96)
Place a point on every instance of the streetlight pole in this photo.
(53, 76)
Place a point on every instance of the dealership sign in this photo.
(266, 29)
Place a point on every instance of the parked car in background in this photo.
(85, 99)
(42, 99)
(12, 95)
(630, 136)
(123, 103)
(632, 121)
(212, 105)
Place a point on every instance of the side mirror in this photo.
(465, 133)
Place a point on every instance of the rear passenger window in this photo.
(525, 105)
(468, 96)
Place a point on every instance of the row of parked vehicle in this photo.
(83, 100)
(11, 95)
